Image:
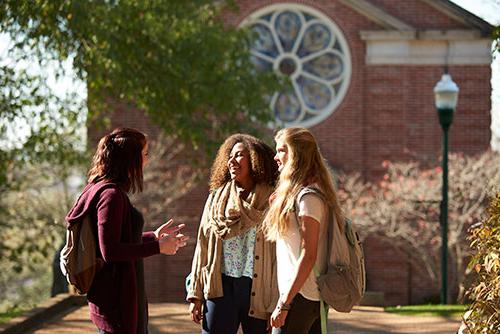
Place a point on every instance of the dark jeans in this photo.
(225, 314)
(303, 318)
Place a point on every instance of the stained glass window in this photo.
(305, 45)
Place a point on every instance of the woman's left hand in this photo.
(278, 317)
(168, 229)
(170, 244)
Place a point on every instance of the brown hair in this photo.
(262, 165)
(118, 159)
(305, 166)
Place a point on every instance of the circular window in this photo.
(304, 45)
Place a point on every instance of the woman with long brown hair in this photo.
(298, 220)
(117, 298)
(233, 270)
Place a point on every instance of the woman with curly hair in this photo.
(233, 270)
(298, 221)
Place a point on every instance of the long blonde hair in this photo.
(305, 165)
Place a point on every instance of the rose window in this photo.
(304, 45)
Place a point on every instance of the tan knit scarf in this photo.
(229, 215)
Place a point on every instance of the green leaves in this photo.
(496, 40)
(484, 313)
(175, 60)
(36, 125)
(31, 231)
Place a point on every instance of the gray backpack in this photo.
(343, 284)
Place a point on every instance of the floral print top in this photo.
(237, 254)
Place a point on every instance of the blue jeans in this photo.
(225, 314)
(303, 318)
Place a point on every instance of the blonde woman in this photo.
(297, 220)
(234, 267)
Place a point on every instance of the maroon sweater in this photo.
(113, 296)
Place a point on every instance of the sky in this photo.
(489, 10)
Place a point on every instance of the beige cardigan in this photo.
(206, 279)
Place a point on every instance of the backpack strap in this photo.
(302, 193)
(310, 190)
(319, 193)
(313, 190)
(351, 236)
(81, 207)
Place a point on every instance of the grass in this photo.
(6, 316)
(428, 310)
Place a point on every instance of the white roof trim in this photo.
(390, 22)
(461, 15)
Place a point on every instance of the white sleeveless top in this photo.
(288, 246)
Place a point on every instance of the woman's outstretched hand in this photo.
(170, 238)
(168, 228)
(195, 310)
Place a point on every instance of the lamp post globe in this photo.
(446, 98)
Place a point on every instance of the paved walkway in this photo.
(173, 318)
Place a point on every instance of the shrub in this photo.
(484, 313)
(31, 231)
(403, 209)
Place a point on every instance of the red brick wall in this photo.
(418, 14)
(165, 275)
(387, 114)
(400, 119)
(119, 115)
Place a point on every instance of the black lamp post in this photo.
(446, 96)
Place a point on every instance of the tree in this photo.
(484, 313)
(32, 231)
(173, 59)
(403, 208)
(36, 124)
(496, 39)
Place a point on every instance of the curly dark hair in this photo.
(262, 165)
(118, 159)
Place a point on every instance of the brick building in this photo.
(363, 73)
